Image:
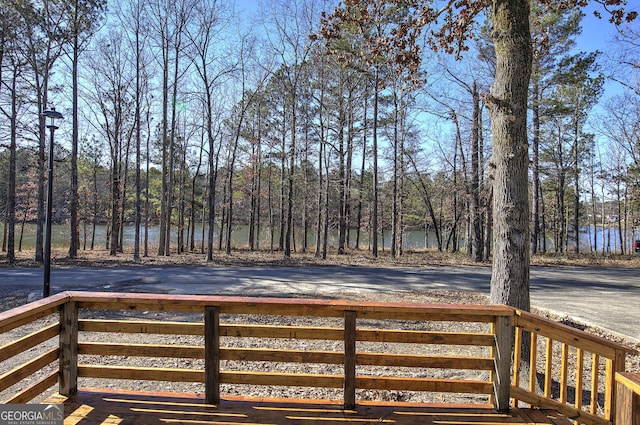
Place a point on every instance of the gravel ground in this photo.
(17, 298)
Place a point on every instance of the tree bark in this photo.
(477, 248)
(508, 110)
(138, 201)
(74, 236)
(535, 167)
(374, 212)
(10, 224)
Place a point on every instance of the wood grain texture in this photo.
(212, 355)
(68, 343)
(28, 341)
(503, 330)
(28, 313)
(288, 306)
(24, 370)
(34, 389)
(145, 408)
(627, 398)
(565, 409)
(350, 359)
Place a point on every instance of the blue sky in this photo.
(597, 33)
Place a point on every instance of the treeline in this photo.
(181, 116)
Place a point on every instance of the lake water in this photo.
(414, 239)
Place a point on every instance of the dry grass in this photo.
(244, 257)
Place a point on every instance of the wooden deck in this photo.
(107, 407)
(364, 345)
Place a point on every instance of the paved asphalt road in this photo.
(605, 297)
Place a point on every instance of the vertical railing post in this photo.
(212, 355)
(627, 399)
(503, 330)
(68, 344)
(349, 359)
(613, 366)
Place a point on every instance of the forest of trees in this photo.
(197, 119)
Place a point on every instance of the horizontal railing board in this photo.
(197, 352)
(140, 326)
(421, 361)
(286, 332)
(282, 356)
(186, 328)
(571, 336)
(282, 379)
(24, 370)
(28, 341)
(629, 380)
(141, 350)
(140, 373)
(424, 384)
(425, 337)
(287, 356)
(288, 306)
(290, 332)
(286, 379)
(192, 375)
(31, 312)
(35, 389)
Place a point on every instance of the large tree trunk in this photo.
(374, 212)
(10, 226)
(282, 183)
(508, 109)
(162, 235)
(394, 206)
(320, 179)
(576, 186)
(365, 133)
(253, 195)
(138, 201)
(292, 164)
(477, 246)
(535, 168)
(115, 203)
(342, 189)
(42, 102)
(74, 236)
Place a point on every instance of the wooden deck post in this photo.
(503, 330)
(627, 398)
(349, 360)
(212, 355)
(68, 343)
(613, 367)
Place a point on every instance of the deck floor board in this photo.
(106, 407)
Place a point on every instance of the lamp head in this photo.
(53, 115)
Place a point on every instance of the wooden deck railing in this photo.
(570, 371)
(351, 365)
(17, 373)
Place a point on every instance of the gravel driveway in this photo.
(604, 297)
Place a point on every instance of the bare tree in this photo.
(292, 24)
(113, 98)
(44, 37)
(84, 18)
(211, 67)
(15, 64)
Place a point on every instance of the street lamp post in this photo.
(53, 115)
